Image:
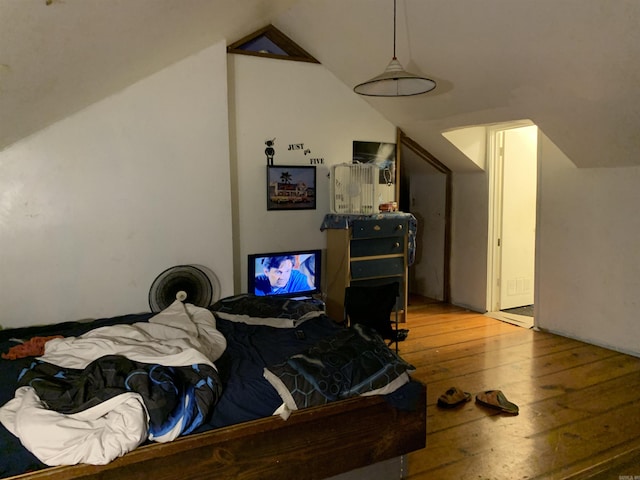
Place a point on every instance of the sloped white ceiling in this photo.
(570, 66)
(58, 56)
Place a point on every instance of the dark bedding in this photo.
(246, 394)
(170, 394)
(353, 361)
(278, 330)
(15, 458)
(250, 348)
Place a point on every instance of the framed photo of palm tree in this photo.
(291, 187)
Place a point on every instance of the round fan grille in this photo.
(353, 189)
(182, 278)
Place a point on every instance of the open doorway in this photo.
(512, 163)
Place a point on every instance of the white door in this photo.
(517, 239)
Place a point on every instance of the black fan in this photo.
(184, 282)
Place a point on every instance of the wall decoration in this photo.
(296, 146)
(291, 187)
(306, 151)
(383, 155)
(270, 151)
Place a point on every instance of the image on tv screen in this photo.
(285, 273)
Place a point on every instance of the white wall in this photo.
(93, 208)
(588, 251)
(472, 141)
(295, 103)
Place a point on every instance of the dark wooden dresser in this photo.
(366, 250)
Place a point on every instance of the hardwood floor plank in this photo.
(486, 343)
(421, 343)
(579, 404)
(517, 450)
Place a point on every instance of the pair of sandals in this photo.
(490, 398)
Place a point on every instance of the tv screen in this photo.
(293, 273)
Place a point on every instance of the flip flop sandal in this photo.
(496, 399)
(453, 397)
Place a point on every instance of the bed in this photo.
(268, 411)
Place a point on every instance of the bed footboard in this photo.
(322, 442)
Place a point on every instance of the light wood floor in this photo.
(579, 404)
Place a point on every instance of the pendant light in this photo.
(395, 81)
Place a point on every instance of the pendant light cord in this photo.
(394, 29)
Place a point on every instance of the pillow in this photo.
(273, 311)
(355, 361)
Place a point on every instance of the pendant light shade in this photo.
(395, 81)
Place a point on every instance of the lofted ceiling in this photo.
(570, 66)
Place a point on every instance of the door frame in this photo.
(495, 159)
(495, 144)
(402, 140)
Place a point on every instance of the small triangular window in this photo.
(271, 42)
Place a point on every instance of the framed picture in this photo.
(291, 187)
(383, 155)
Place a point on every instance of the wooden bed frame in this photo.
(320, 441)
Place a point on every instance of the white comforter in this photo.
(181, 335)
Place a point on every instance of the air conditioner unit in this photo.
(354, 188)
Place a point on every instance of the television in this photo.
(294, 273)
